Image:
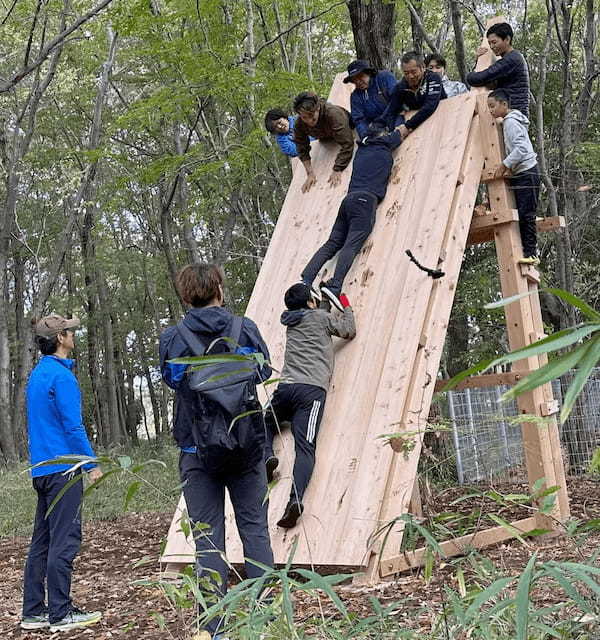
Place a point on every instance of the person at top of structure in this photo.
(324, 121)
(55, 429)
(302, 390)
(356, 216)
(520, 167)
(281, 125)
(509, 72)
(371, 95)
(419, 90)
(437, 63)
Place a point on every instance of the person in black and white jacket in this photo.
(419, 90)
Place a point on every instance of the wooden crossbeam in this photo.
(458, 546)
(483, 226)
(487, 380)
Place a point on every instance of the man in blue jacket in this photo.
(509, 72)
(371, 170)
(419, 90)
(56, 430)
(371, 95)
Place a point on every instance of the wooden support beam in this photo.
(530, 272)
(458, 546)
(487, 380)
(483, 228)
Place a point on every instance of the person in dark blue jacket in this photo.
(371, 171)
(55, 429)
(419, 90)
(371, 95)
(509, 72)
(201, 287)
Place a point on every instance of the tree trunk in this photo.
(374, 27)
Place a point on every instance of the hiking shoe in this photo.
(35, 622)
(75, 619)
(532, 260)
(292, 512)
(332, 296)
(271, 464)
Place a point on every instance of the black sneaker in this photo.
(332, 296)
(271, 464)
(292, 512)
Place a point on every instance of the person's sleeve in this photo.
(301, 141)
(432, 100)
(258, 345)
(344, 136)
(501, 68)
(67, 397)
(287, 145)
(342, 324)
(519, 142)
(358, 115)
(388, 80)
(388, 117)
(171, 372)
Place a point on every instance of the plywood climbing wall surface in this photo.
(383, 379)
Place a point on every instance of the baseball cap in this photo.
(52, 325)
(359, 66)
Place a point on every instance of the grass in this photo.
(18, 499)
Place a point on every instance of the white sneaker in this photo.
(75, 619)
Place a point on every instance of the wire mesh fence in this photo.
(483, 438)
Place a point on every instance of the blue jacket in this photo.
(510, 73)
(372, 164)
(207, 323)
(286, 140)
(54, 421)
(424, 100)
(367, 105)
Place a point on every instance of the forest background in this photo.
(132, 142)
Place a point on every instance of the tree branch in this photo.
(420, 26)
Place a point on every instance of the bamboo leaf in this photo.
(522, 598)
(586, 364)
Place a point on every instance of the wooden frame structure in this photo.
(385, 378)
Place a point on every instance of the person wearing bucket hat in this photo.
(371, 95)
(55, 429)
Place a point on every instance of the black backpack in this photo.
(225, 442)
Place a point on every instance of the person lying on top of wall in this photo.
(371, 95)
(324, 121)
(437, 63)
(419, 90)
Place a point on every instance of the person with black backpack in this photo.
(218, 451)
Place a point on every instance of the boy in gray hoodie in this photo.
(520, 167)
(301, 393)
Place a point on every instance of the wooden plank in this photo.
(458, 546)
(483, 229)
(487, 380)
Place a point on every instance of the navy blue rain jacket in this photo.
(207, 323)
(367, 105)
(54, 421)
(509, 73)
(372, 164)
(424, 100)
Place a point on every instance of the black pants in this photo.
(54, 544)
(302, 405)
(526, 187)
(205, 498)
(352, 226)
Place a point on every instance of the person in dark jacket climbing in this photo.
(509, 72)
(371, 95)
(419, 90)
(371, 170)
(302, 390)
(201, 287)
(324, 121)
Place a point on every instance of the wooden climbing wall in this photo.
(384, 378)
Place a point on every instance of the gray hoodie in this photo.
(520, 155)
(309, 348)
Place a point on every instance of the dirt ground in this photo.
(104, 574)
